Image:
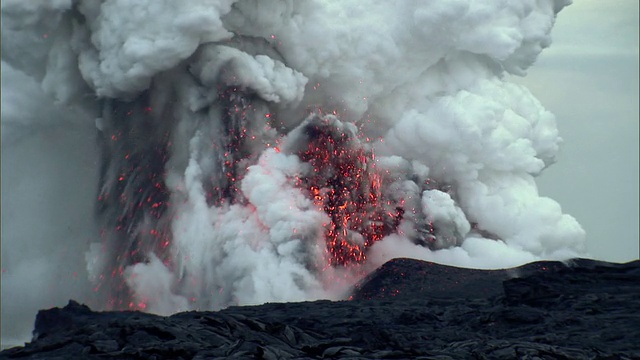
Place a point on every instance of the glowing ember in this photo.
(345, 185)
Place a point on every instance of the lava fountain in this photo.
(343, 183)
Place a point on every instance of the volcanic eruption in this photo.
(275, 150)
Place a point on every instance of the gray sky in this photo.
(589, 79)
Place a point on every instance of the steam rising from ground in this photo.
(220, 122)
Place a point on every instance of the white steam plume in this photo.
(264, 150)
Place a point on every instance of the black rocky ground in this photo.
(407, 309)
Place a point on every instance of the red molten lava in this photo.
(345, 185)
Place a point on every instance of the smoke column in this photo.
(275, 150)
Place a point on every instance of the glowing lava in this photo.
(345, 185)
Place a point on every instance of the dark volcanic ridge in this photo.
(409, 278)
(581, 309)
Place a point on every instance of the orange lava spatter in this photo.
(345, 185)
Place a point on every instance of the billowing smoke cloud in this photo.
(277, 150)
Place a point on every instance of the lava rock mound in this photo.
(407, 309)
